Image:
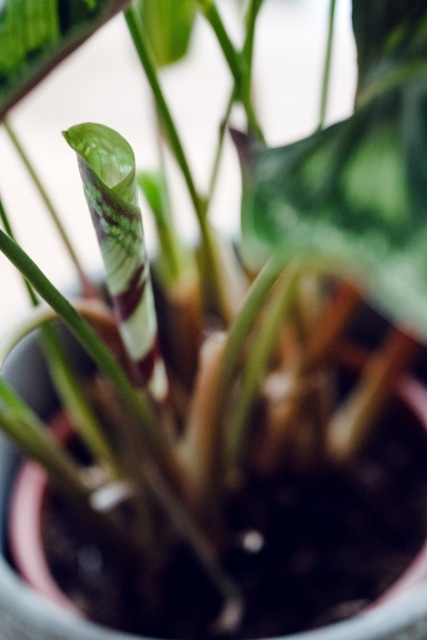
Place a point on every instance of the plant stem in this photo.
(4, 219)
(44, 196)
(259, 356)
(63, 375)
(251, 21)
(329, 327)
(241, 326)
(211, 254)
(35, 441)
(230, 361)
(140, 407)
(7, 227)
(352, 421)
(147, 60)
(154, 187)
(239, 332)
(235, 60)
(220, 146)
(201, 545)
(201, 437)
(307, 384)
(247, 53)
(169, 239)
(73, 397)
(327, 65)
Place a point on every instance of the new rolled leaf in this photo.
(107, 167)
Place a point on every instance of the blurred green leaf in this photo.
(35, 35)
(153, 186)
(168, 24)
(174, 261)
(391, 40)
(357, 191)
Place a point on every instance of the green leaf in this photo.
(169, 25)
(357, 191)
(107, 167)
(36, 35)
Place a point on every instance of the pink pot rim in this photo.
(25, 526)
(27, 550)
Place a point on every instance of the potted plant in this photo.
(231, 441)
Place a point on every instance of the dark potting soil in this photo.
(309, 549)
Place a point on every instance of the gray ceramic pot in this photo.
(25, 615)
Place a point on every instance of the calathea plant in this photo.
(219, 370)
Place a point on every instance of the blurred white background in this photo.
(102, 82)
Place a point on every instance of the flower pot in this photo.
(26, 614)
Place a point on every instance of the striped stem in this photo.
(107, 166)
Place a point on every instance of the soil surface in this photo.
(309, 550)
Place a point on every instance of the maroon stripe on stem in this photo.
(127, 301)
(145, 365)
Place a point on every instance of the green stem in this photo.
(242, 325)
(220, 146)
(4, 219)
(235, 60)
(73, 397)
(213, 266)
(147, 60)
(251, 20)
(35, 441)
(167, 233)
(230, 361)
(66, 380)
(7, 227)
(154, 187)
(43, 194)
(258, 359)
(153, 435)
(247, 53)
(327, 65)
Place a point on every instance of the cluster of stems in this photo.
(276, 344)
